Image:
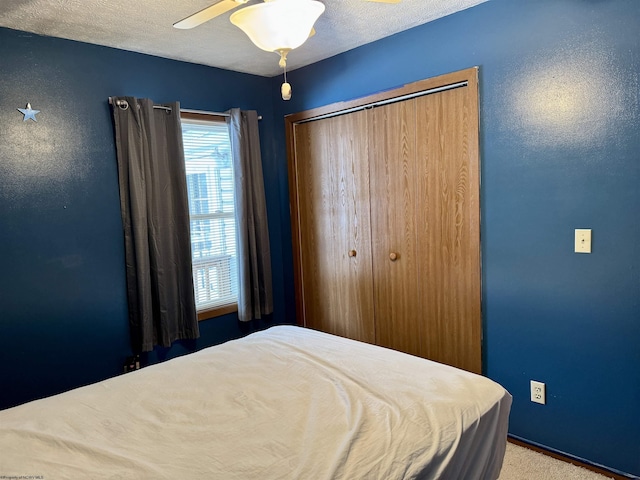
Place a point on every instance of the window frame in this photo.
(219, 310)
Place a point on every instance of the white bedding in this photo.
(286, 403)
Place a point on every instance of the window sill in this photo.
(217, 311)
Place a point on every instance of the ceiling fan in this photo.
(274, 25)
(224, 6)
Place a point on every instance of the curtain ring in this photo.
(122, 104)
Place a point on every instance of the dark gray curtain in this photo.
(255, 296)
(155, 217)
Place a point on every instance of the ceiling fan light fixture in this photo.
(277, 25)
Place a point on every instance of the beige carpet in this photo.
(523, 464)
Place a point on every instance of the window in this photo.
(209, 170)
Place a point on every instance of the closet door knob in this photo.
(352, 253)
(393, 256)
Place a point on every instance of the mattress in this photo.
(285, 403)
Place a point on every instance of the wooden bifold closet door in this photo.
(385, 217)
(334, 226)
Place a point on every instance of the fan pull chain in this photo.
(285, 90)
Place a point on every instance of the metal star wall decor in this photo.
(29, 113)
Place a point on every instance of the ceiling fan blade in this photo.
(384, 1)
(207, 14)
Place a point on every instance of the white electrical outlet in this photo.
(538, 392)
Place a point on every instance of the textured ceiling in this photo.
(145, 26)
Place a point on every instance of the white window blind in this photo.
(209, 170)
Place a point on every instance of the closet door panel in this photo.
(393, 191)
(449, 227)
(333, 206)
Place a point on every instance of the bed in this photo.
(284, 403)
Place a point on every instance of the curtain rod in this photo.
(204, 112)
(124, 105)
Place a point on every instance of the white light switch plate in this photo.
(583, 240)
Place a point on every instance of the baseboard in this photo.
(617, 475)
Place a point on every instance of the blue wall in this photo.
(560, 149)
(63, 314)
